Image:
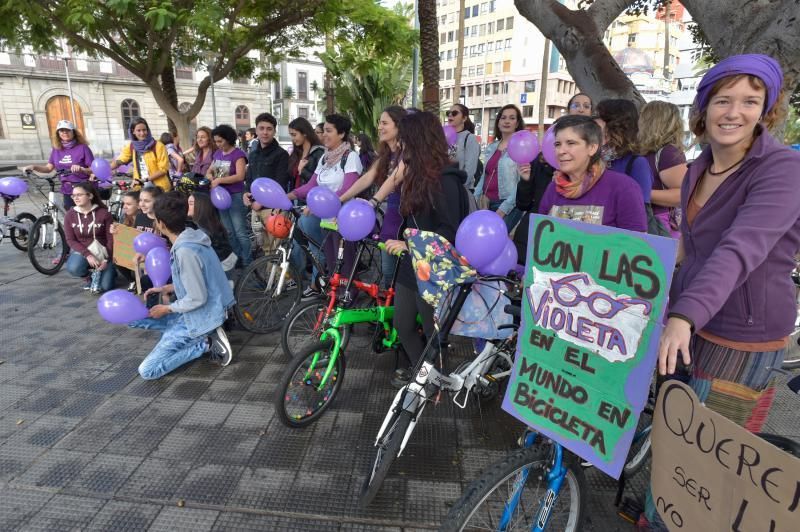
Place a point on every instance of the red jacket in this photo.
(81, 228)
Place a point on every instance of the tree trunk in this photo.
(170, 90)
(459, 53)
(429, 55)
(578, 36)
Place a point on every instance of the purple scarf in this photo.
(762, 66)
(69, 144)
(141, 145)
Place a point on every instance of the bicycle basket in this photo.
(437, 265)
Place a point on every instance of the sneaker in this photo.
(87, 282)
(401, 378)
(311, 293)
(289, 285)
(132, 287)
(220, 347)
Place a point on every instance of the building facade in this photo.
(502, 63)
(34, 96)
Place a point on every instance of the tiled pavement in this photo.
(87, 444)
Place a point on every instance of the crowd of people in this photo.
(735, 212)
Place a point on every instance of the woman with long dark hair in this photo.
(431, 184)
(468, 150)
(387, 164)
(149, 156)
(307, 150)
(497, 188)
(228, 170)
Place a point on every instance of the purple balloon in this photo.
(450, 135)
(270, 194)
(156, 263)
(323, 202)
(356, 219)
(549, 148)
(481, 237)
(505, 262)
(121, 307)
(144, 242)
(523, 147)
(13, 186)
(102, 169)
(221, 198)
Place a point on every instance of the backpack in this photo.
(478, 168)
(654, 225)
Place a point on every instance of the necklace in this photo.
(731, 167)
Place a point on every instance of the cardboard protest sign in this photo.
(591, 319)
(710, 474)
(123, 246)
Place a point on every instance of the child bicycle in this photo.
(539, 487)
(314, 376)
(270, 287)
(491, 365)
(47, 246)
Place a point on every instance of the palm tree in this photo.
(429, 54)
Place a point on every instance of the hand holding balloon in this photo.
(270, 194)
(121, 307)
(221, 198)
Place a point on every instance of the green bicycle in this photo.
(313, 378)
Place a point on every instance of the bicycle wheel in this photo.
(258, 309)
(19, 237)
(388, 448)
(299, 400)
(523, 473)
(304, 326)
(640, 446)
(47, 247)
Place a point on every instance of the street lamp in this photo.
(212, 63)
(65, 57)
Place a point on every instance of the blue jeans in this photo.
(310, 226)
(513, 218)
(78, 266)
(235, 221)
(174, 349)
(387, 268)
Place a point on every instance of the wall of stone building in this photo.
(100, 102)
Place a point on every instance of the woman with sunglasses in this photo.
(497, 188)
(468, 150)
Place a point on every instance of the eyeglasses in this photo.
(454, 112)
(78, 195)
(601, 305)
(577, 105)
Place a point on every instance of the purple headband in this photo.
(762, 66)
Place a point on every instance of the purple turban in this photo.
(762, 66)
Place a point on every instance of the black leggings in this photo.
(407, 304)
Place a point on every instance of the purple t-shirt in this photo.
(64, 158)
(224, 165)
(639, 171)
(615, 200)
(670, 156)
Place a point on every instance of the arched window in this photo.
(130, 110)
(242, 115)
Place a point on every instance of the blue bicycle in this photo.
(542, 486)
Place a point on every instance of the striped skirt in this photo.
(739, 385)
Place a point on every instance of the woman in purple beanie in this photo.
(732, 303)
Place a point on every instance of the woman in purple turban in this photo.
(732, 303)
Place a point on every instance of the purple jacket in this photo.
(735, 279)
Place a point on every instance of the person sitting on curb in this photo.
(192, 324)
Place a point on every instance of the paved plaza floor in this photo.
(86, 444)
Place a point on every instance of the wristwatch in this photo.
(374, 202)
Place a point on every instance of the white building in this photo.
(502, 63)
(34, 96)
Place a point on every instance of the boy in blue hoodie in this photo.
(192, 324)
